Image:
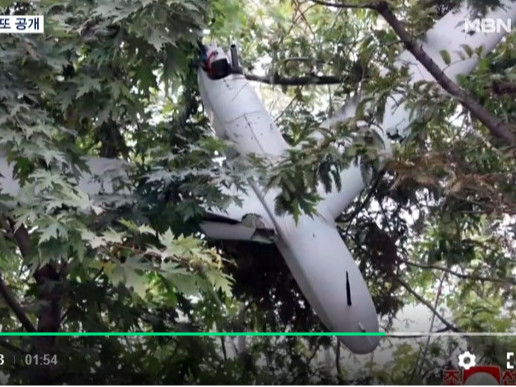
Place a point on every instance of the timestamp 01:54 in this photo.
(31, 359)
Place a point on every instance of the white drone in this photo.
(312, 248)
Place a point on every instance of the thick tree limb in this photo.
(297, 81)
(494, 124)
(49, 293)
(5, 344)
(47, 279)
(11, 301)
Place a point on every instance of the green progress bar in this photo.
(18, 334)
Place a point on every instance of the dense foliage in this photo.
(117, 79)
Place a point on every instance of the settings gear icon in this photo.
(467, 360)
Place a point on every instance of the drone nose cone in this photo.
(363, 344)
(330, 280)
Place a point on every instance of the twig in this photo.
(460, 275)
(302, 13)
(223, 346)
(349, 219)
(294, 101)
(99, 273)
(420, 363)
(337, 361)
(387, 219)
(314, 351)
(428, 305)
(415, 336)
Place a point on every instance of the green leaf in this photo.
(220, 281)
(53, 230)
(87, 85)
(157, 40)
(131, 274)
(468, 50)
(446, 56)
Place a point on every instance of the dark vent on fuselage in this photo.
(348, 289)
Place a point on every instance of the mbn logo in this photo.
(487, 25)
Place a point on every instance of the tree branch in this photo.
(317, 345)
(5, 344)
(49, 317)
(428, 305)
(495, 125)
(460, 275)
(393, 335)
(420, 363)
(297, 81)
(223, 347)
(345, 5)
(337, 362)
(15, 306)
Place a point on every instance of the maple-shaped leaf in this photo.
(46, 179)
(220, 281)
(167, 239)
(172, 268)
(143, 229)
(158, 40)
(112, 236)
(132, 274)
(107, 9)
(87, 85)
(53, 230)
(93, 240)
(189, 285)
(129, 224)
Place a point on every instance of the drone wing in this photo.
(101, 182)
(247, 221)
